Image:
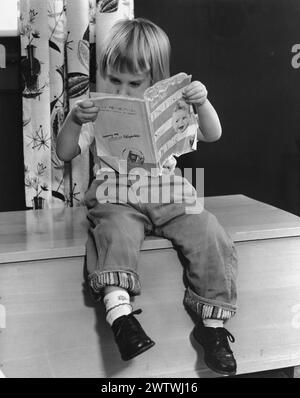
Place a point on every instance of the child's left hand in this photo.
(195, 93)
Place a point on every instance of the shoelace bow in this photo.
(226, 334)
(223, 334)
(136, 312)
(229, 335)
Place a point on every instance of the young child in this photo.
(135, 56)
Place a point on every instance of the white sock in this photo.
(117, 303)
(213, 323)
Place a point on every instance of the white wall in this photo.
(8, 17)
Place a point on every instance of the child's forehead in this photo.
(139, 75)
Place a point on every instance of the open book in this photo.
(146, 132)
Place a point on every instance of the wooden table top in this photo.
(53, 233)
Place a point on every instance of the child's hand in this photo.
(84, 111)
(195, 93)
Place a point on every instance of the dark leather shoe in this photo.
(130, 336)
(217, 353)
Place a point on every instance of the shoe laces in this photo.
(227, 334)
(136, 312)
(223, 335)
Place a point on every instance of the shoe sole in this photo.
(208, 364)
(143, 349)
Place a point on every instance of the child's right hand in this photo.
(84, 111)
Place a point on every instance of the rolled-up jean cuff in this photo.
(208, 309)
(129, 281)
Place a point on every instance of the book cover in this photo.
(146, 132)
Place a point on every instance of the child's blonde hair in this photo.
(137, 46)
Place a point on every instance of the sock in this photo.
(213, 323)
(117, 303)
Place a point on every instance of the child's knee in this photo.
(117, 227)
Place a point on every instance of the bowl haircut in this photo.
(136, 46)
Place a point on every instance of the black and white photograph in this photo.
(181, 260)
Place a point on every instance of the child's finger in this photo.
(197, 90)
(85, 106)
(196, 97)
(194, 87)
(87, 103)
(85, 115)
(93, 109)
(85, 118)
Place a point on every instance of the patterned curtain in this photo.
(60, 42)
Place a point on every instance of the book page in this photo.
(122, 128)
(175, 124)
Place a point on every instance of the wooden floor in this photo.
(53, 329)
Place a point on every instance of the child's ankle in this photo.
(213, 323)
(117, 304)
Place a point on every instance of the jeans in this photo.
(118, 229)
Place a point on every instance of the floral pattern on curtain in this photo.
(60, 41)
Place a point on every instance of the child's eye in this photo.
(135, 84)
(114, 80)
